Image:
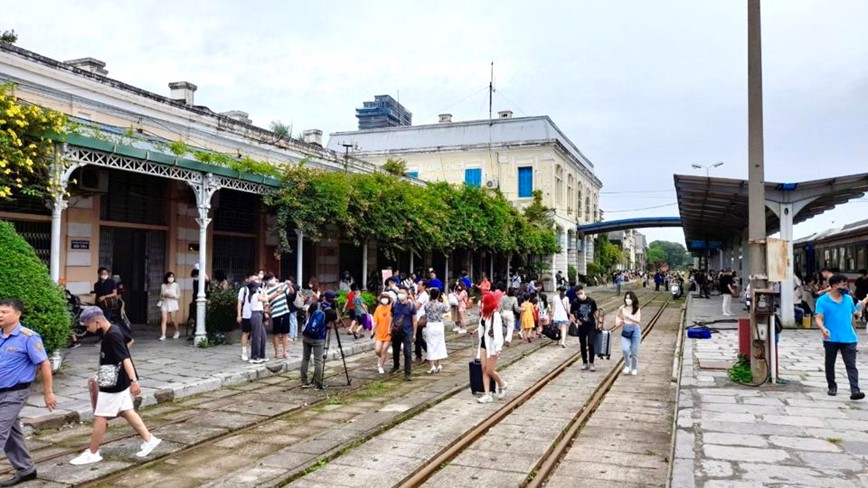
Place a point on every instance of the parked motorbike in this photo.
(73, 304)
(677, 289)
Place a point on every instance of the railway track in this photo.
(430, 473)
(361, 376)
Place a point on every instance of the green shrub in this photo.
(24, 277)
(222, 311)
(571, 275)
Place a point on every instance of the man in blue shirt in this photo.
(434, 282)
(21, 353)
(466, 280)
(403, 313)
(836, 319)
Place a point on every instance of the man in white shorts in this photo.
(118, 382)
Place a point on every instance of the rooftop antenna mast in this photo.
(490, 93)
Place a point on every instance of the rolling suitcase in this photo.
(476, 379)
(603, 344)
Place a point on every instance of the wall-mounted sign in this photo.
(80, 245)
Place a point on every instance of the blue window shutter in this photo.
(413, 174)
(525, 182)
(473, 177)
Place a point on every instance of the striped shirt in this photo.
(278, 304)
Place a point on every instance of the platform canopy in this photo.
(714, 211)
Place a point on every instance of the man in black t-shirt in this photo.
(584, 313)
(118, 382)
(105, 292)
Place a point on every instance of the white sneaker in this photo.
(501, 391)
(456, 329)
(253, 361)
(626, 370)
(462, 331)
(381, 370)
(634, 372)
(244, 356)
(485, 399)
(593, 368)
(163, 337)
(86, 457)
(177, 335)
(149, 446)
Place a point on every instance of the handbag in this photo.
(573, 331)
(299, 300)
(110, 304)
(159, 303)
(107, 375)
(628, 334)
(422, 322)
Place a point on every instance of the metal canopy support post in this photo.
(204, 186)
(61, 174)
(412, 261)
(756, 182)
(299, 256)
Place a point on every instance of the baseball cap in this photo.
(330, 294)
(89, 314)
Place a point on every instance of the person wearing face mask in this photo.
(404, 331)
(118, 384)
(630, 317)
(169, 294)
(835, 316)
(583, 313)
(382, 324)
(277, 294)
(106, 291)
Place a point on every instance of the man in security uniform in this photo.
(21, 353)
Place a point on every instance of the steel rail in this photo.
(419, 476)
(554, 455)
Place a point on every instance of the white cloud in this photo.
(643, 88)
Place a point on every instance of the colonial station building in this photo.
(516, 155)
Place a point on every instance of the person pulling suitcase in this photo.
(585, 314)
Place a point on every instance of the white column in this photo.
(412, 262)
(491, 266)
(204, 189)
(786, 215)
(61, 173)
(365, 265)
(446, 275)
(299, 256)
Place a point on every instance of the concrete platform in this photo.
(789, 434)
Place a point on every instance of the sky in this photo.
(644, 89)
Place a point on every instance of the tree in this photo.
(24, 277)
(26, 146)
(9, 36)
(672, 253)
(606, 254)
(397, 167)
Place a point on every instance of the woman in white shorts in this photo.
(170, 292)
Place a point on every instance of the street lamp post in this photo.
(707, 168)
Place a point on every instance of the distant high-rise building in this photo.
(384, 111)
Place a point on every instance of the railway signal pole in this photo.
(756, 187)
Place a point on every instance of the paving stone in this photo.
(717, 469)
(823, 460)
(796, 421)
(734, 439)
(804, 443)
(731, 453)
(780, 474)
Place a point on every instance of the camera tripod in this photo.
(325, 353)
